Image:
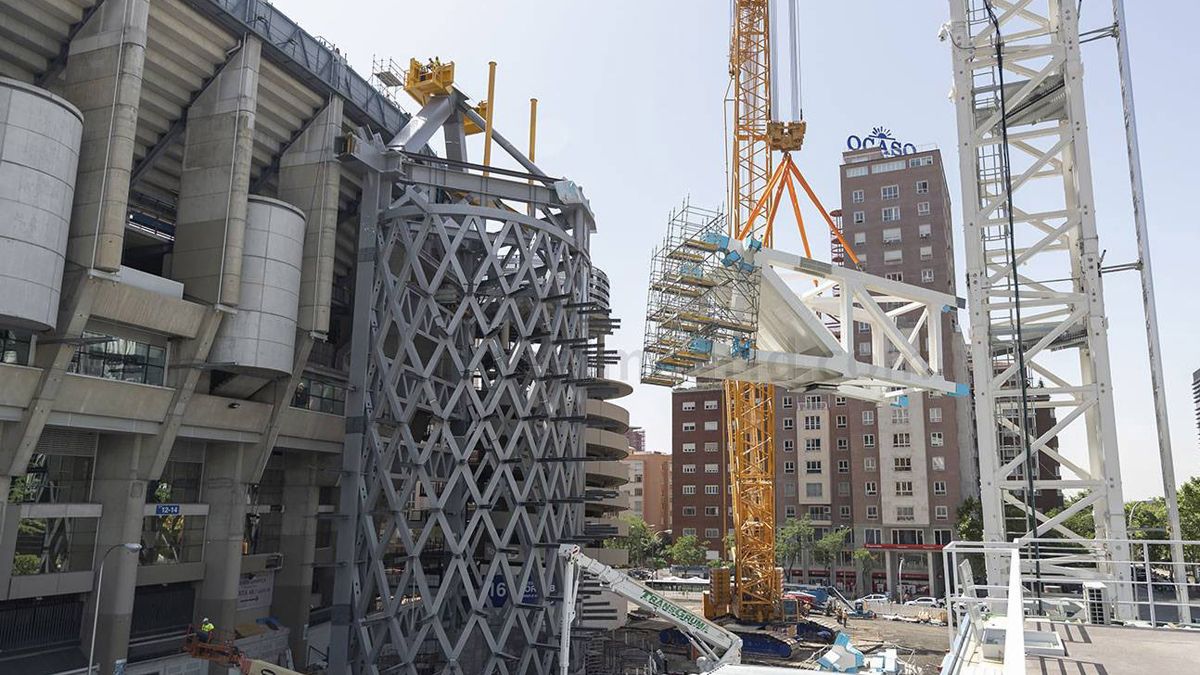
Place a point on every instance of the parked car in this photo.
(874, 597)
(925, 602)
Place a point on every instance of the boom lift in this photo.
(219, 648)
(716, 645)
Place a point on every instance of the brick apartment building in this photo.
(894, 475)
(649, 488)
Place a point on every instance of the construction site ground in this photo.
(919, 643)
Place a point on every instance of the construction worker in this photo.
(206, 630)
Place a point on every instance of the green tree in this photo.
(827, 549)
(644, 545)
(791, 541)
(970, 520)
(687, 550)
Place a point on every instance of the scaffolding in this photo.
(697, 296)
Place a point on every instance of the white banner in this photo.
(256, 590)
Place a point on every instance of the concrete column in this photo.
(892, 588)
(119, 488)
(225, 492)
(215, 182)
(309, 176)
(934, 584)
(104, 80)
(10, 519)
(297, 544)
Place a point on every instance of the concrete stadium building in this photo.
(177, 260)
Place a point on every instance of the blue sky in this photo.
(630, 108)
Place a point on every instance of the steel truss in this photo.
(1035, 291)
(465, 431)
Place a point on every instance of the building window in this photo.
(939, 488)
(844, 489)
(904, 514)
(689, 468)
(712, 511)
(872, 514)
(839, 400)
(902, 463)
(812, 445)
(935, 415)
(871, 488)
(904, 488)
(712, 532)
(789, 423)
(14, 347)
(860, 238)
(710, 404)
(710, 446)
(857, 196)
(902, 537)
(892, 235)
(789, 511)
(893, 257)
(689, 510)
(872, 535)
(689, 489)
(902, 440)
(843, 466)
(943, 537)
(710, 425)
(926, 253)
(840, 421)
(789, 489)
(900, 416)
(813, 490)
(864, 349)
(927, 276)
(689, 531)
(922, 208)
(925, 160)
(856, 171)
(889, 192)
(939, 463)
(812, 422)
(868, 440)
(812, 466)
(689, 426)
(710, 468)
(789, 445)
(941, 513)
(844, 512)
(894, 276)
(787, 401)
(890, 214)
(868, 417)
(712, 489)
(789, 467)
(935, 439)
(688, 406)
(869, 464)
(860, 217)
(689, 447)
(925, 231)
(885, 167)
(862, 327)
(843, 444)
(116, 358)
(922, 187)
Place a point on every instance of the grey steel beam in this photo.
(59, 62)
(177, 127)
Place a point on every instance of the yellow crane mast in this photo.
(750, 407)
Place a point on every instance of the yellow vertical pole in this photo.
(533, 102)
(490, 113)
(533, 129)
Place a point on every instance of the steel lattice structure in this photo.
(1036, 301)
(464, 461)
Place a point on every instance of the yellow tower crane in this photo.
(756, 189)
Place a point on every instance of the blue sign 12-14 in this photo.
(880, 138)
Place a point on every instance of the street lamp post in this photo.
(132, 548)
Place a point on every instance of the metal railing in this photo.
(1080, 580)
